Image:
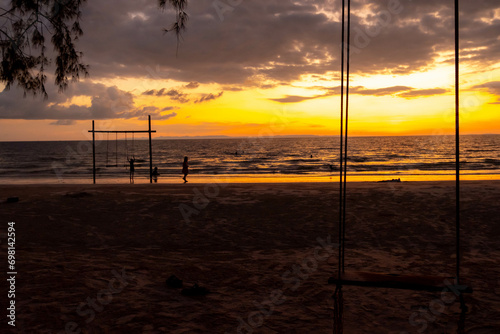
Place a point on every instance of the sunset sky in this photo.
(263, 67)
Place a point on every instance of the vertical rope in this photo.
(116, 148)
(346, 129)
(338, 310)
(341, 139)
(133, 145)
(107, 147)
(463, 313)
(463, 307)
(93, 152)
(126, 145)
(338, 301)
(457, 137)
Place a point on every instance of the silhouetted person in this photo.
(155, 174)
(185, 168)
(132, 169)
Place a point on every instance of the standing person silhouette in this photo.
(185, 168)
(155, 174)
(132, 169)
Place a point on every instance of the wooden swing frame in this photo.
(149, 131)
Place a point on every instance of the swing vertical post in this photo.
(93, 151)
(150, 152)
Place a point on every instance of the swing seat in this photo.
(395, 281)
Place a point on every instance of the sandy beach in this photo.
(95, 258)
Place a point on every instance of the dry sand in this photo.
(262, 249)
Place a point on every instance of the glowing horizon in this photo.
(283, 85)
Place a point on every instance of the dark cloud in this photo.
(173, 94)
(297, 98)
(63, 122)
(268, 86)
(156, 116)
(233, 89)
(260, 44)
(142, 113)
(493, 87)
(192, 85)
(379, 91)
(280, 40)
(181, 97)
(209, 97)
(401, 91)
(150, 92)
(105, 103)
(423, 92)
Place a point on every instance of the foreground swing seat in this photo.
(380, 280)
(395, 281)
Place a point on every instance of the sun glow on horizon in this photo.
(234, 78)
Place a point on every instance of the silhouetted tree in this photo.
(23, 31)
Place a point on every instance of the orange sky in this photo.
(274, 85)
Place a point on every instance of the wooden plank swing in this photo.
(397, 281)
(387, 280)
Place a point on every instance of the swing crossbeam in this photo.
(125, 131)
(396, 281)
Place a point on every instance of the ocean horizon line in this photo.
(257, 137)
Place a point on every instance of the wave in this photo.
(366, 155)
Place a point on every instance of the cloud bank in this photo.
(258, 44)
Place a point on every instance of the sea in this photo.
(253, 159)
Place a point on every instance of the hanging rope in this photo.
(338, 300)
(107, 147)
(126, 146)
(133, 145)
(463, 307)
(338, 310)
(341, 183)
(338, 296)
(348, 56)
(463, 313)
(457, 137)
(116, 148)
